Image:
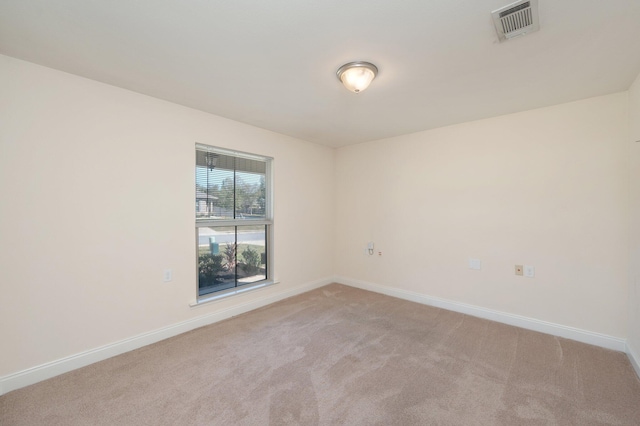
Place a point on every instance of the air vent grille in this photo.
(516, 19)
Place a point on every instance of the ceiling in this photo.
(272, 63)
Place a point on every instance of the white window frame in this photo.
(267, 221)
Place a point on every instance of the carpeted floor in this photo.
(339, 355)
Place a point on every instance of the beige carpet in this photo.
(339, 355)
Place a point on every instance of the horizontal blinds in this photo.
(230, 187)
(229, 162)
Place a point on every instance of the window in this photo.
(233, 221)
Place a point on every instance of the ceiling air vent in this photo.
(516, 19)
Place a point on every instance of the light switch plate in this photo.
(519, 270)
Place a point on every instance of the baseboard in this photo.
(572, 333)
(634, 358)
(60, 366)
(54, 368)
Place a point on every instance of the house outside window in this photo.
(234, 221)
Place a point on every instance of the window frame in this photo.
(268, 222)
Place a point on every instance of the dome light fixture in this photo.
(357, 76)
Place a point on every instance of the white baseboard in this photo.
(54, 368)
(60, 366)
(634, 358)
(572, 333)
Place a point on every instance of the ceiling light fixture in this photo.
(357, 76)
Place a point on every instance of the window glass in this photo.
(233, 221)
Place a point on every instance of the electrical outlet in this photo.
(167, 275)
(475, 264)
(519, 269)
(529, 271)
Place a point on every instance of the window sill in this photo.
(236, 291)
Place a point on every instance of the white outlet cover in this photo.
(475, 264)
(529, 271)
(167, 275)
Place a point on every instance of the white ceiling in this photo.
(272, 63)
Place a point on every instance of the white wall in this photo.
(547, 188)
(96, 199)
(634, 234)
